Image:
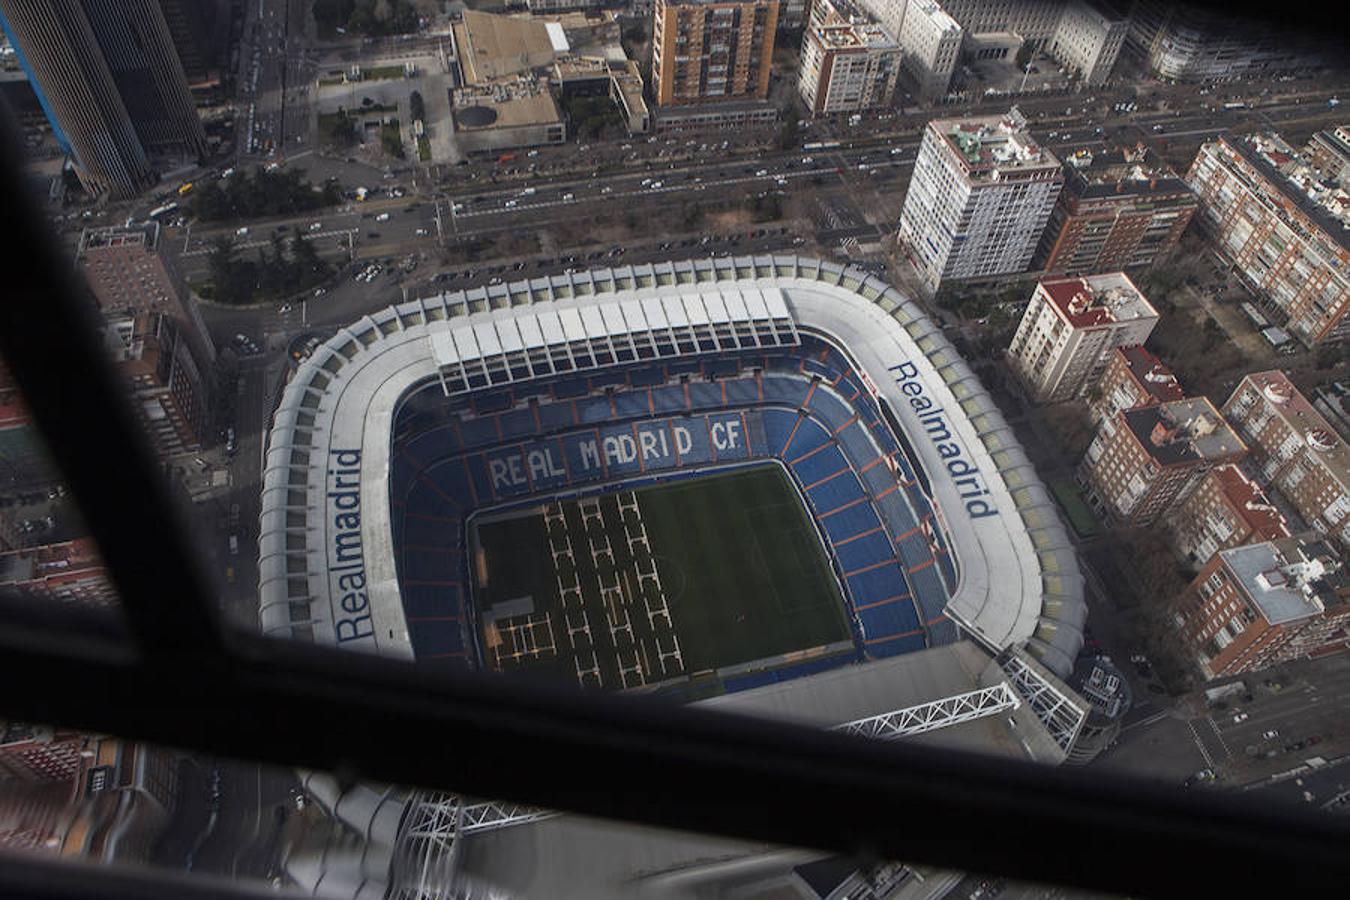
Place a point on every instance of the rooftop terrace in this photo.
(1097, 299)
(989, 147)
(1183, 432)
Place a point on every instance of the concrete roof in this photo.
(1018, 576)
(492, 46)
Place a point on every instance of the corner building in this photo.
(981, 194)
(1146, 459)
(1296, 450)
(710, 50)
(1257, 606)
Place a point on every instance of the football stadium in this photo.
(765, 484)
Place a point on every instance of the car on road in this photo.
(382, 217)
(761, 173)
(567, 197)
(372, 234)
(1270, 735)
(284, 308)
(509, 204)
(319, 292)
(241, 231)
(315, 226)
(230, 445)
(655, 185)
(1240, 717)
(607, 190)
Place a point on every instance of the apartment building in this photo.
(847, 66)
(64, 572)
(1259, 605)
(1146, 459)
(1226, 509)
(1069, 330)
(1032, 20)
(712, 50)
(1120, 209)
(1133, 377)
(1295, 450)
(980, 196)
(1328, 153)
(1283, 226)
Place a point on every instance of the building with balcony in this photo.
(1226, 509)
(1145, 460)
(64, 572)
(1133, 377)
(1069, 330)
(931, 41)
(167, 388)
(1087, 40)
(1283, 227)
(706, 51)
(981, 194)
(1120, 209)
(1260, 605)
(1295, 450)
(846, 67)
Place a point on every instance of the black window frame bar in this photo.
(183, 680)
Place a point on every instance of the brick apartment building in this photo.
(1295, 450)
(66, 572)
(167, 387)
(1283, 225)
(1119, 209)
(1260, 605)
(1226, 509)
(712, 50)
(1069, 329)
(1146, 459)
(1133, 377)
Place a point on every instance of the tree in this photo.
(416, 106)
(787, 134)
(1024, 55)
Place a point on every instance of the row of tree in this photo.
(374, 17)
(263, 193)
(292, 265)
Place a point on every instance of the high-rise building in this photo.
(1120, 209)
(1087, 40)
(1032, 20)
(1282, 226)
(110, 78)
(1133, 377)
(1184, 42)
(980, 196)
(65, 572)
(1226, 509)
(931, 41)
(712, 50)
(1259, 605)
(128, 272)
(1295, 450)
(167, 388)
(200, 31)
(1146, 459)
(1069, 329)
(1329, 153)
(848, 63)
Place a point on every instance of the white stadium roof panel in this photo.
(443, 347)
(675, 314)
(655, 311)
(465, 345)
(755, 305)
(593, 322)
(551, 324)
(773, 299)
(573, 329)
(633, 316)
(508, 332)
(486, 335)
(717, 308)
(614, 319)
(695, 310)
(530, 332)
(736, 304)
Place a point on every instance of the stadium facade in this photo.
(962, 589)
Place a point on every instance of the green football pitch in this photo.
(658, 585)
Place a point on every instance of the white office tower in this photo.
(931, 42)
(981, 194)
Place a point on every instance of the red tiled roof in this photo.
(1250, 502)
(1151, 374)
(1075, 301)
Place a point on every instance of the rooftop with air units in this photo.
(1097, 300)
(992, 148)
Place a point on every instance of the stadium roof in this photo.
(1019, 581)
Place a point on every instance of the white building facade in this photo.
(981, 194)
(1088, 41)
(846, 67)
(1070, 328)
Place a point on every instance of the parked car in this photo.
(1270, 735)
